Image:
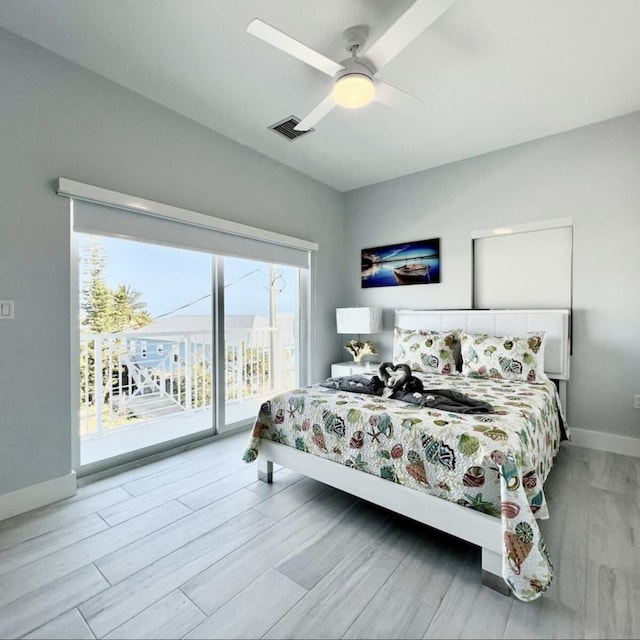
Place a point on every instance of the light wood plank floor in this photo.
(193, 546)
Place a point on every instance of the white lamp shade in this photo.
(354, 90)
(359, 320)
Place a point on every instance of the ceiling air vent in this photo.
(286, 128)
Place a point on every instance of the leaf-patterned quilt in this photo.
(495, 463)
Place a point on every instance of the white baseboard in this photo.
(611, 442)
(38, 495)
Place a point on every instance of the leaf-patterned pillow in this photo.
(505, 357)
(427, 351)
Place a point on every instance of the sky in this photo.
(170, 278)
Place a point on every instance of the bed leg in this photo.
(265, 470)
(492, 572)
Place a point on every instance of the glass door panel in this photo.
(261, 303)
(146, 348)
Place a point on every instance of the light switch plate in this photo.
(6, 309)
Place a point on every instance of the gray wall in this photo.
(591, 174)
(57, 119)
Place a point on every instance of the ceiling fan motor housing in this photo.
(353, 65)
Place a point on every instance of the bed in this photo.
(476, 475)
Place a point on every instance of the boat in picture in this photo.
(412, 273)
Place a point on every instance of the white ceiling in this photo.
(490, 73)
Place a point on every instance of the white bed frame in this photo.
(473, 526)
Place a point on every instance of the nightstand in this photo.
(339, 369)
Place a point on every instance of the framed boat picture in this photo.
(401, 264)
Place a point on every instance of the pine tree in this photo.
(97, 297)
(106, 311)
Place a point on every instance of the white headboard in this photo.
(555, 323)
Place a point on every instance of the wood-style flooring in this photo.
(193, 546)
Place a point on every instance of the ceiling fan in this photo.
(356, 84)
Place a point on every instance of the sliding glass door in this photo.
(146, 346)
(154, 371)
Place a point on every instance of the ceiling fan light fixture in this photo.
(354, 90)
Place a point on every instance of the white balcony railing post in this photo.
(240, 368)
(187, 374)
(84, 419)
(99, 388)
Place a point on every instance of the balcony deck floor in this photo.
(125, 439)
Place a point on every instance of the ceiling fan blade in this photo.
(394, 97)
(405, 29)
(293, 47)
(317, 114)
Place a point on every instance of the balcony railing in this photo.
(136, 377)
